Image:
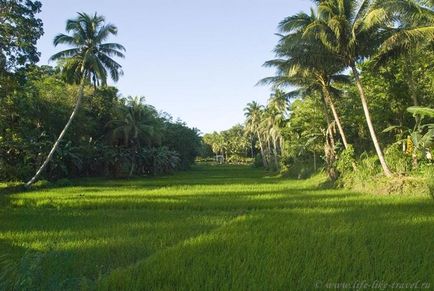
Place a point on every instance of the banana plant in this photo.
(418, 141)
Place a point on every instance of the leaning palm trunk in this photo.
(59, 139)
(380, 155)
(133, 164)
(276, 155)
(269, 153)
(329, 144)
(330, 102)
(264, 158)
(329, 151)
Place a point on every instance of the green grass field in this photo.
(213, 228)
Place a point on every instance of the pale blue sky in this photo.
(198, 60)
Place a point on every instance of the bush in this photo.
(258, 162)
(346, 161)
(299, 169)
(397, 160)
(427, 172)
(239, 160)
(42, 183)
(161, 160)
(368, 177)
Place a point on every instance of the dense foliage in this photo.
(110, 136)
(105, 135)
(19, 31)
(233, 145)
(354, 85)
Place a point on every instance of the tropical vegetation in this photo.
(120, 196)
(105, 135)
(355, 81)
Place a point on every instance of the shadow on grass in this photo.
(286, 236)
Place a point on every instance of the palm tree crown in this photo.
(90, 57)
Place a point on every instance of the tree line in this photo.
(65, 121)
(353, 78)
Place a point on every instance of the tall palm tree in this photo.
(356, 29)
(350, 30)
(89, 60)
(254, 114)
(275, 118)
(305, 62)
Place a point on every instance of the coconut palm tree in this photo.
(88, 60)
(349, 30)
(309, 81)
(254, 114)
(135, 125)
(275, 118)
(305, 62)
(356, 29)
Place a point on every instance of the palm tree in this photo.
(275, 118)
(354, 30)
(305, 62)
(134, 126)
(254, 114)
(406, 37)
(89, 60)
(350, 30)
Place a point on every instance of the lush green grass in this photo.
(213, 228)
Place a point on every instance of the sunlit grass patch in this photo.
(212, 228)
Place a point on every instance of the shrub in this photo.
(397, 160)
(346, 160)
(239, 160)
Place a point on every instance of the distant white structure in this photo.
(219, 159)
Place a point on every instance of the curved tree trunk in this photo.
(133, 164)
(59, 139)
(329, 145)
(314, 161)
(380, 155)
(252, 154)
(329, 150)
(330, 102)
(276, 156)
(269, 153)
(264, 159)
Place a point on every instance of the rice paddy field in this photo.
(214, 228)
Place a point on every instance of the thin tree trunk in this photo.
(269, 151)
(380, 155)
(329, 145)
(330, 154)
(264, 159)
(314, 161)
(330, 102)
(133, 163)
(59, 139)
(251, 147)
(132, 168)
(276, 158)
